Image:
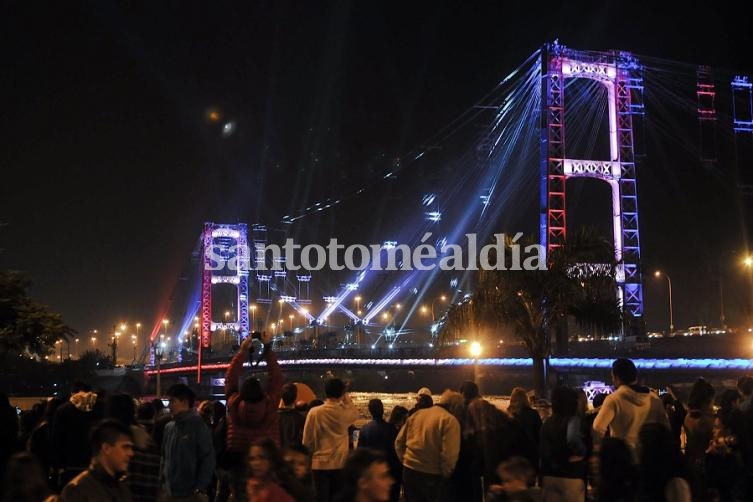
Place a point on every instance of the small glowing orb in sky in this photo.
(228, 128)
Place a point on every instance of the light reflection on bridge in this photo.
(565, 363)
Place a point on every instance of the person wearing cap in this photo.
(428, 446)
(423, 400)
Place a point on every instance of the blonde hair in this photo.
(453, 402)
(518, 401)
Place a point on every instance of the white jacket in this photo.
(429, 441)
(325, 434)
(626, 410)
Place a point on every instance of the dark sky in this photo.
(109, 165)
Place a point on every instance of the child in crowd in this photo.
(517, 482)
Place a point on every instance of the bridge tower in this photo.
(230, 242)
(621, 75)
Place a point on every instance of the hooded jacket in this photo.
(626, 410)
(69, 432)
(246, 421)
(187, 455)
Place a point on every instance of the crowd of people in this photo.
(266, 445)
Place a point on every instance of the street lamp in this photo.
(659, 273)
(443, 298)
(78, 356)
(159, 352)
(358, 313)
(253, 317)
(133, 340)
(475, 351)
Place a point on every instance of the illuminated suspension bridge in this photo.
(561, 114)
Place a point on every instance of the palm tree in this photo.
(579, 282)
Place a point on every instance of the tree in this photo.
(579, 282)
(25, 325)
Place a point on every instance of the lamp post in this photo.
(133, 340)
(252, 308)
(138, 326)
(748, 263)
(114, 346)
(443, 298)
(659, 273)
(475, 350)
(358, 323)
(78, 355)
(159, 352)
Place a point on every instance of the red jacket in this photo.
(247, 422)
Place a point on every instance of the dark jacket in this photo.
(247, 422)
(562, 448)
(95, 485)
(70, 436)
(379, 435)
(291, 427)
(188, 459)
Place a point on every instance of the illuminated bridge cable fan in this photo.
(706, 96)
(742, 124)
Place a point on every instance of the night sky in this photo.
(110, 164)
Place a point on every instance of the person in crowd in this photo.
(596, 404)
(8, 429)
(699, 430)
(39, 441)
(206, 412)
(251, 410)
(517, 479)
(325, 434)
(428, 446)
(111, 451)
(675, 410)
(745, 386)
(379, 435)
(366, 477)
(661, 473)
(563, 450)
(266, 473)
(70, 430)
(617, 476)
(587, 425)
(313, 404)
(25, 480)
(143, 471)
(490, 436)
(423, 400)
(398, 416)
(145, 417)
(724, 462)
(188, 459)
(629, 407)
(28, 420)
(297, 458)
(291, 420)
(526, 418)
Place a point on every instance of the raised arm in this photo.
(233, 374)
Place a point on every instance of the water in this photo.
(407, 400)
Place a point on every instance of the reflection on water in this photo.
(408, 400)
